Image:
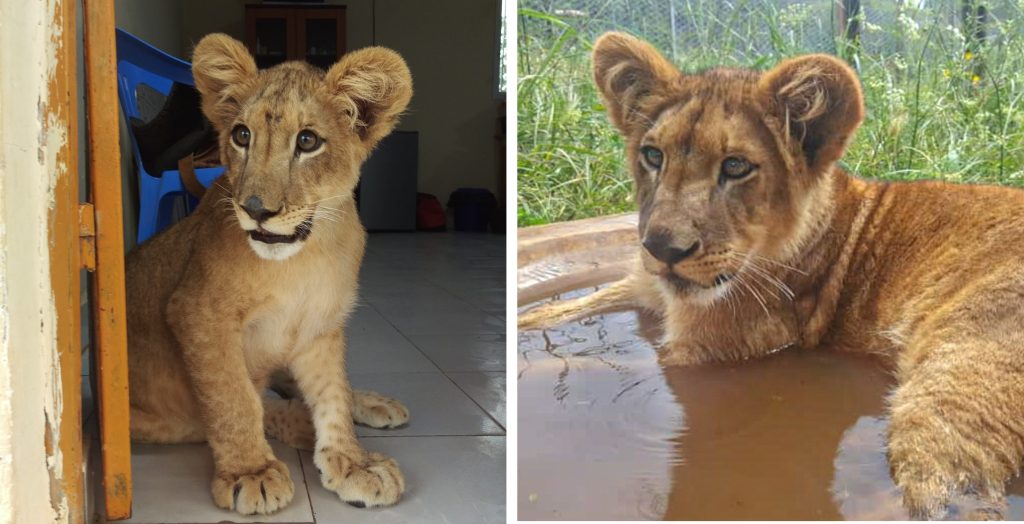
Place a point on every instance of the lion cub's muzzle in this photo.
(302, 232)
(262, 227)
(274, 234)
(685, 266)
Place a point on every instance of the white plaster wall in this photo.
(29, 385)
(450, 47)
(156, 21)
(6, 426)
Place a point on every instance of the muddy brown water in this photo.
(606, 433)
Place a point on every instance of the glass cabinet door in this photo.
(321, 35)
(272, 42)
(315, 34)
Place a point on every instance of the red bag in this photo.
(429, 213)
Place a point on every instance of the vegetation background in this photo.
(943, 82)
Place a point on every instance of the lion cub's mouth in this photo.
(722, 279)
(302, 232)
(683, 283)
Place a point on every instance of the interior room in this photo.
(429, 326)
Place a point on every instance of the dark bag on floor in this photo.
(474, 208)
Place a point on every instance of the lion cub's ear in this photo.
(373, 86)
(222, 69)
(817, 102)
(631, 76)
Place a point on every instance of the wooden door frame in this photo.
(108, 278)
(89, 236)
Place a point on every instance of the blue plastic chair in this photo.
(140, 63)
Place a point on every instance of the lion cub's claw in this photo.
(378, 411)
(372, 482)
(263, 492)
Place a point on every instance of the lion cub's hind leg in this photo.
(288, 421)
(377, 411)
(368, 409)
(157, 429)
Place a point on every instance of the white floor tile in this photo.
(486, 389)
(437, 316)
(491, 300)
(395, 284)
(375, 346)
(436, 405)
(463, 352)
(457, 480)
(428, 303)
(171, 485)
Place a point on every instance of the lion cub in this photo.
(753, 240)
(262, 278)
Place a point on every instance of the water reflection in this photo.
(762, 437)
(595, 424)
(605, 433)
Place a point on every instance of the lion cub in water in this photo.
(753, 241)
(262, 278)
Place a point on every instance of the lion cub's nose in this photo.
(659, 245)
(253, 207)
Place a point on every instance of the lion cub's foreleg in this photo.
(957, 425)
(369, 408)
(289, 421)
(248, 478)
(633, 291)
(360, 478)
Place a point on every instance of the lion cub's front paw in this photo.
(378, 411)
(263, 492)
(370, 482)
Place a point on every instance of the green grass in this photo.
(935, 110)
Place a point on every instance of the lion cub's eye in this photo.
(736, 168)
(652, 156)
(307, 141)
(241, 135)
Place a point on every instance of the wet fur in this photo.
(212, 314)
(928, 275)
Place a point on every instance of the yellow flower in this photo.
(968, 55)
(945, 73)
(975, 79)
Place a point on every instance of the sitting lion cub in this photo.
(754, 241)
(262, 278)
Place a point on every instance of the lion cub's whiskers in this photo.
(329, 214)
(757, 296)
(777, 263)
(749, 260)
(342, 195)
(771, 279)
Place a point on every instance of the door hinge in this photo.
(87, 236)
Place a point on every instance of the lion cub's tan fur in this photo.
(212, 312)
(928, 275)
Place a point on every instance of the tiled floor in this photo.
(430, 331)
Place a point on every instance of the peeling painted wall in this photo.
(29, 373)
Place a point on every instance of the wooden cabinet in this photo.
(276, 33)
